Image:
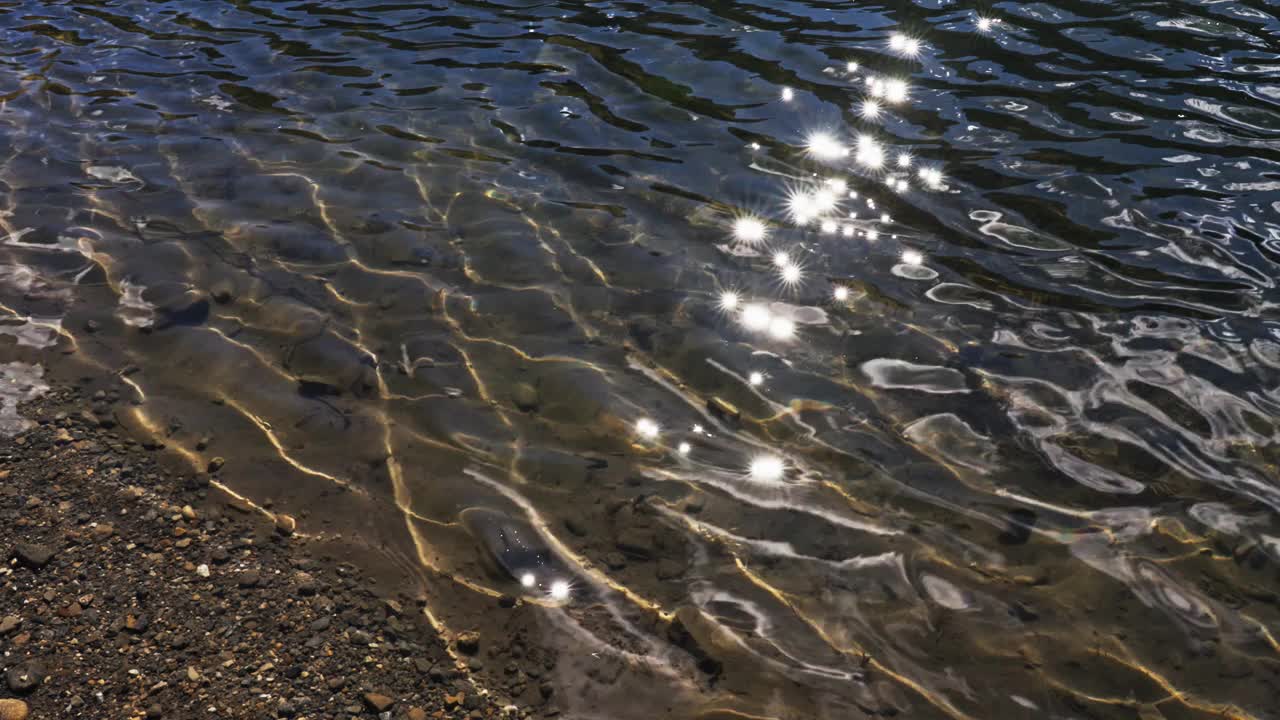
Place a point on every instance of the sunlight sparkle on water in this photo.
(684, 448)
(895, 91)
(851, 67)
(912, 257)
(871, 156)
(904, 160)
(781, 328)
(904, 45)
(559, 590)
(729, 300)
(781, 259)
(755, 317)
(870, 109)
(825, 200)
(791, 275)
(756, 378)
(647, 428)
(841, 293)
(801, 206)
(750, 230)
(788, 94)
(528, 580)
(828, 226)
(766, 469)
(984, 24)
(931, 176)
(824, 146)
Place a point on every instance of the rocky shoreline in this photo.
(134, 589)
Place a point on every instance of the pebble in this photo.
(468, 642)
(249, 579)
(525, 397)
(24, 678)
(202, 570)
(104, 530)
(378, 702)
(285, 524)
(13, 709)
(33, 555)
(9, 624)
(414, 713)
(216, 464)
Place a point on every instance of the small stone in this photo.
(525, 397)
(103, 531)
(188, 512)
(154, 712)
(468, 642)
(202, 570)
(377, 702)
(13, 709)
(63, 437)
(216, 464)
(285, 524)
(137, 623)
(336, 683)
(416, 713)
(71, 611)
(453, 701)
(9, 624)
(615, 560)
(32, 555)
(249, 579)
(24, 678)
(192, 674)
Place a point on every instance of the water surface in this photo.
(789, 359)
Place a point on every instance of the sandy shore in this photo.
(134, 589)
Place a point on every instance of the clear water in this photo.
(477, 287)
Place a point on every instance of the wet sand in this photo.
(134, 587)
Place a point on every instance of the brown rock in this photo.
(9, 624)
(104, 530)
(468, 642)
(285, 524)
(453, 701)
(414, 713)
(13, 709)
(377, 702)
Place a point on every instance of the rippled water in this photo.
(479, 285)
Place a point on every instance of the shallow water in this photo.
(996, 437)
